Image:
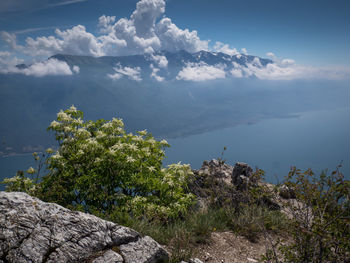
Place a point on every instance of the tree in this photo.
(102, 169)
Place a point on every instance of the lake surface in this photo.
(318, 140)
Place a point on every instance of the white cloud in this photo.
(237, 73)
(201, 72)
(286, 69)
(105, 24)
(69, 2)
(71, 41)
(162, 61)
(287, 62)
(9, 38)
(76, 69)
(8, 62)
(131, 73)
(139, 34)
(244, 51)
(32, 5)
(225, 48)
(270, 54)
(155, 75)
(174, 39)
(145, 15)
(51, 67)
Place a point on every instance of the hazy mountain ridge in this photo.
(175, 62)
(168, 108)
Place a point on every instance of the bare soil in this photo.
(227, 247)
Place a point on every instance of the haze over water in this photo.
(317, 140)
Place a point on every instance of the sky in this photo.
(312, 32)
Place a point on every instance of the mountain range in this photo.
(170, 94)
(168, 64)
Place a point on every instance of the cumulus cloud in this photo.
(225, 48)
(105, 24)
(145, 15)
(155, 75)
(244, 51)
(131, 73)
(201, 72)
(141, 33)
(71, 41)
(174, 39)
(162, 61)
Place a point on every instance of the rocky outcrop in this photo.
(38, 232)
(286, 192)
(213, 186)
(242, 176)
(219, 184)
(216, 169)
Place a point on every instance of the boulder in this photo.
(216, 169)
(242, 176)
(35, 231)
(286, 192)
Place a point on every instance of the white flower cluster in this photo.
(62, 116)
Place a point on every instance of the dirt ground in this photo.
(226, 247)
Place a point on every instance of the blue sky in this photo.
(309, 32)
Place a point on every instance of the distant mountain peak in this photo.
(161, 65)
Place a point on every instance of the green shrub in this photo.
(319, 222)
(102, 169)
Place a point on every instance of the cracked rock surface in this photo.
(39, 232)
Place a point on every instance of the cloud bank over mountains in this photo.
(141, 33)
(146, 31)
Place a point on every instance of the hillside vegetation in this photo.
(101, 169)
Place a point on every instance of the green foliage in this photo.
(254, 220)
(28, 181)
(20, 183)
(319, 218)
(102, 169)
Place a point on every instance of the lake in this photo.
(318, 140)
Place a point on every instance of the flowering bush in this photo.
(102, 169)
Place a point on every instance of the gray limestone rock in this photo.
(133, 252)
(217, 169)
(109, 257)
(38, 232)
